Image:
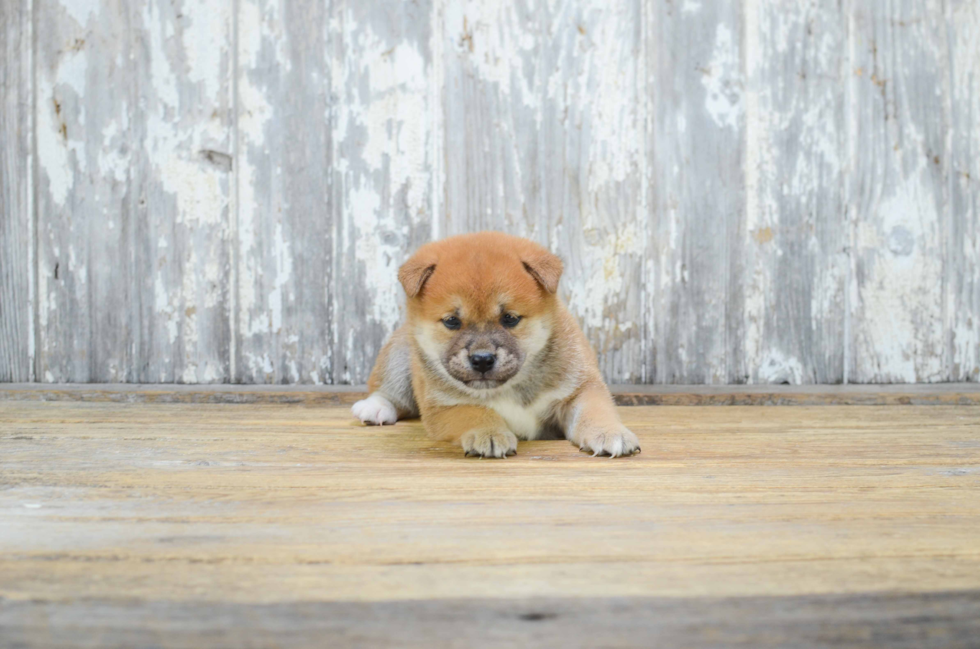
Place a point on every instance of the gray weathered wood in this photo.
(545, 115)
(757, 191)
(180, 205)
(285, 233)
(384, 122)
(963, 170)
(945, 620)
(87, 188)
(696, 87)
(793, 254)
(897, 190)
(134, 142)
(16, 193)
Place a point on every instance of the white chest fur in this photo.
(526, 421)
(521, 420)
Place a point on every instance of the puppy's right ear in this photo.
(414, 273)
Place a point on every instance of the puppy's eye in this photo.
(452, 322)
(510, 320)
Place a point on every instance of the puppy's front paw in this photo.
(375, 410)
(614, 443)
(489, 443)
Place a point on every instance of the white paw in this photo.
(614, 443)
(375, 410)
(489, 443)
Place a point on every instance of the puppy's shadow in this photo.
(551, 431)
(408, 437)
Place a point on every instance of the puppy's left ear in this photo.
(545, 268)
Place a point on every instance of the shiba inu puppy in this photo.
(489, 355)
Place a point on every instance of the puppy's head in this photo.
(482, 305)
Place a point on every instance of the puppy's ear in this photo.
(414, 273)
(545, 268)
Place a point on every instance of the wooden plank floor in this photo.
(290, 525)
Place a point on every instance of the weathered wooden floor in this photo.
(195, 525)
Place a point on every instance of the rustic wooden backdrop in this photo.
(743, 191)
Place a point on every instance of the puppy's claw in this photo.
(489, 443)
(621, 443)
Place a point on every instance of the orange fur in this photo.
(552, 382)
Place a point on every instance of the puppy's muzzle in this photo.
(482, 362)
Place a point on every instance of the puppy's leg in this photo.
(593, 425)
(480, 431)
(390, 384)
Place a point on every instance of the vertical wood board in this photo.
(696, 91)
(16, 193)
(183, 130)
(963, 170)
(384, 121)
(544, 138)
(87, 185)
(793, 252)
(284, 233)
(897, 191)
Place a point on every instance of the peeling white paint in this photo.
(81, 10)
(206, 18)
(722, 80)
(52, 151)
(899, 298)
(114, 160)
(256, 114)
(284, 271)
(778, 367)
(162, 79)
(691, 7)
(559, 94)
(492, 38)
(60, 153)
(383, 122)
(604, 277)
(615, 135)
(200, 198)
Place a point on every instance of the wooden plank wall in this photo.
(764, 191)
(16, 193)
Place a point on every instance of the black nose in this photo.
(482, 361)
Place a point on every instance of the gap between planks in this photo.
(963, 394)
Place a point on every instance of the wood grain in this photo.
(544, 125)
(793, 254)
(284, 230)
(915, 621)
(383, 181)
(963, 171)
(695, 87)
(16, 192)
(181, 210)
(897, 196)
(87, 193)
(161, 509)
(923, 394)
(134, 144)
